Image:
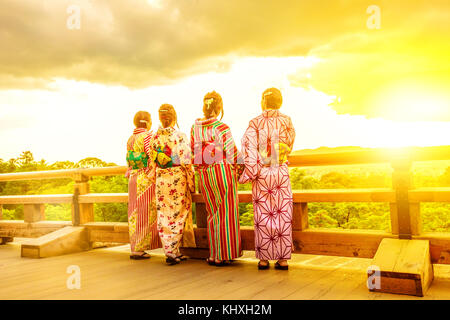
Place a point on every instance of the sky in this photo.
(352, 73)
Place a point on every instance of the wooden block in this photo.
(63, 241)
(404, 267)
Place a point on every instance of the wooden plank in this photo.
(348, 195)
(367, 156)
(430, 195)
(303, 196)
(37, 199)
(103, 198)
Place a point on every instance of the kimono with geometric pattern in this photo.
(266, 167)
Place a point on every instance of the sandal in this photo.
(280, 267)
(222, 263)
(263, 267)
(210, 262)
(171, 261)
(183, 257)
(143, 256)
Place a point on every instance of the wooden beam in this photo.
(335, 242)
(84, 212)
(429, 195)
(37, 199)
(347, 243)
(402, 183)
(340, 195)
(367, 156)
(107, 232)
(103, 198)
(300, 216)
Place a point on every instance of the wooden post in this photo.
(300, 216)
(86, 210)
(33, 212)
(1, 212)
(404, 221)
(200, 214)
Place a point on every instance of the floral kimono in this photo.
(217, 158)
(142, 222)
(174, 184)
(265, 146)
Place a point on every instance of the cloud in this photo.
(400, 72)
(138, 43)
(142, 43)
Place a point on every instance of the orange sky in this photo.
(344, 83)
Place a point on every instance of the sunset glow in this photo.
(343, 83)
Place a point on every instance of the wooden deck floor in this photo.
(108, 273)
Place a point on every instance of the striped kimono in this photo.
(266, 167)
(216, 158)
(142, 219)
(174, 184)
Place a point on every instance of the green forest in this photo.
(375, 216)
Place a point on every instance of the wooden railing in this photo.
(403, 198)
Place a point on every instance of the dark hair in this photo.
(212, 103)
(167, 115)
(273, 98)
(141, 118)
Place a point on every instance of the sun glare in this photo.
(413, 103)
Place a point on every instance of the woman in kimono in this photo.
(174, 184)
(266, 144)
(216, 159)
(142, 219)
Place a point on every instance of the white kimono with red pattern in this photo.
(271, 191)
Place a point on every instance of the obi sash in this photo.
(137, 160)
(164, 159)
(282, 151)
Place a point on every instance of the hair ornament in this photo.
(143, 121)
(209, 101)
(267, 93)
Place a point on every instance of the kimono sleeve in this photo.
(291, 133)
(184, 153)
(251, 156)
